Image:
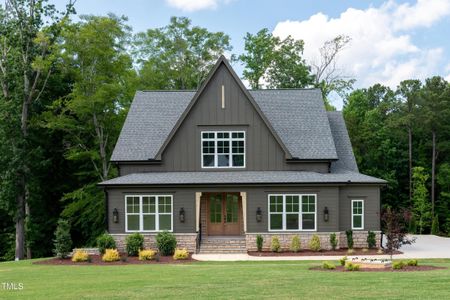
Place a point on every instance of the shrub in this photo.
(349, 234)
(397, 265)
(295, 244)
(343, 260)
(328, 266)
(412, 262)
(259, 242)
(147, 254)
(181, 254)
(412, 226)
(135, 243)
(333, 241)
(435, 226)
(371, 240)
(349, 266)
(166, 243)
(275, 244)
(80, 256)
(105, 241)
(111, 255)
(314, 243)
(62, 241)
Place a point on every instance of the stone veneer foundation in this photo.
(184, 240)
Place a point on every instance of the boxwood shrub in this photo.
(105, 241)
(135, 243)
(166, 243)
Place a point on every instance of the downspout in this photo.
(106, 209)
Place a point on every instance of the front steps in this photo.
(223, 245)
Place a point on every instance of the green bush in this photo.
(295, 244)
(349, 234)
(343, 260)
(333, 241)
(371, 240)
(166, 243)
(435, 226)
(314, 243)
(275, 244)
(259, 242)
(62, 241)
(412, 263)
(134, 244)
(105, 241)
(349, 266)
(412, 226)
(397, 265)
(328, 266)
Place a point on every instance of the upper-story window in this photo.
(223, 149)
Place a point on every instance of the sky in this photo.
(391, 40)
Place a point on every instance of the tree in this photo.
(177, 56)
(29, 30)
(91, 116)
(420, 197)
(394, 223)
(63, 240)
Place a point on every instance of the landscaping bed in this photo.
(338, 252)
(130, 260)
(404, 269)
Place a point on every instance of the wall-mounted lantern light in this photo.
(182, 215)
(259, 215)
(326, 214)
(115, 215)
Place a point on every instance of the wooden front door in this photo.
(224, 213)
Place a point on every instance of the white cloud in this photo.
(194, 5)
(381, 49)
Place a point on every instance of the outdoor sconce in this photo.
(259, 215)
(326, 214)
(115, 215)
(182, 217)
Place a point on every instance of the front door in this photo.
(224, 216)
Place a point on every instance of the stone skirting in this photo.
(184, 240)
(359, 239)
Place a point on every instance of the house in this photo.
(220, 165)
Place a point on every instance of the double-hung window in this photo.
(357, 214)
(223, 149)
(290, 212)
(148, 213)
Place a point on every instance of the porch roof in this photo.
(241, 177)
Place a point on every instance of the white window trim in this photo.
(216, 155)
(361, 214)
(141, 213)
(300, 219)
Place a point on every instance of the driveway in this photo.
(427, 246)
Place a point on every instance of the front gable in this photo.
(223, 103)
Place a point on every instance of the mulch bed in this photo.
(388, 269)
(339, 252)
(97, 260)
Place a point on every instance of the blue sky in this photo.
(391, 40)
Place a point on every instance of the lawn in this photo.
(219, 280)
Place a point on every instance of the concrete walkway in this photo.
(426, 246)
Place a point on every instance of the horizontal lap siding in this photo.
(371, 197)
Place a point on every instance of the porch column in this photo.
(244, 209)
(198, 195)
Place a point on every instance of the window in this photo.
(223, 149)
(357, 214)
(148, 213)
(292, 212)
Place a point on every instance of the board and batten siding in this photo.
(262, 153)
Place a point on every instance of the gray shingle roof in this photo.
(241, 177)
(342, 142)
(298, 116)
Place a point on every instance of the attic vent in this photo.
(223, 96)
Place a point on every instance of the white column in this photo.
(244, 209)
(197, 210)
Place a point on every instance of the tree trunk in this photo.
(410, 163)
(20, 222)
(433, 170)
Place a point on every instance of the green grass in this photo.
(219, 280)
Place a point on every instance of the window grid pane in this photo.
(285, 212)
(154, 208)
(223, 149)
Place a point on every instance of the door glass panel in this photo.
(215, 208)
(232, 208)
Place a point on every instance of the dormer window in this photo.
(223, 149)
